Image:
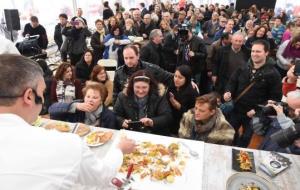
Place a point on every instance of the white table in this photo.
(210, 171)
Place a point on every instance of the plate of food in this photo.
(243, 161)
(81, 129)
(58, 125)
(97, 138)
(248, 181)
(156, 162)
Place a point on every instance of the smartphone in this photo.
(134, 125)
(73, 23)
(297, 67)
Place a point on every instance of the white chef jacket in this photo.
(33, 158)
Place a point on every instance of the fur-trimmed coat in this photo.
(158, 109)
(221, 133)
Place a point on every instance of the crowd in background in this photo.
(199, 72)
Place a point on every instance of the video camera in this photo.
(183, 32)
(286, 137)
(261, 121)
(270, 111)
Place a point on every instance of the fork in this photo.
(191, 151)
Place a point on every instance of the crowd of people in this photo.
(238, 56)
(205, 73)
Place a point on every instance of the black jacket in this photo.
(107, 13)
(158, 110)
(152, 53)
(60, 111)
(146, 29)
(39, 30)
(83, 70)
(196, 62)
(220, 65)
(250, 41)
(132, 32)
(169, 56)
(58, 36)
(123, 73)
(77, 39)
(267, 86)
(186, 96)
(97, 46)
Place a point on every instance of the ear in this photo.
(267, 53)
(28, 96)
(212, 112)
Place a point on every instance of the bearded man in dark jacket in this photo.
(133, 64)
(266, 82)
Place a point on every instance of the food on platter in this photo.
(98, 138)
(249, 186)
(60, 126)
(156, 161)
(245, 160)
(82, 129)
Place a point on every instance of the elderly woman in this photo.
(142, 107)
(206, 122)
(99, 74)
(90, 111)
(64, 86)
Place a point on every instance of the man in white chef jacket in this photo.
(32, 158)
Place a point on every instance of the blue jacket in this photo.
(60, 111)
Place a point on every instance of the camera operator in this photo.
(192, 51)
(283, 134)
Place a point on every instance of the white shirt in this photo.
(33, 158)
(7, 46)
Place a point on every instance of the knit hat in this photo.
(80, 20)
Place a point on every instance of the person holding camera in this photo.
(251, 85)
(192, 51)
(283, 134)
(77, 32)
(143, 105)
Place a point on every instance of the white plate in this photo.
(92, 145)
(236, 181)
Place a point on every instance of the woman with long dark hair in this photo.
(181, 95)
(64, 86)
(85, 66)
(261, 33)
